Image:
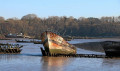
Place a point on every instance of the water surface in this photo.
(31, 59)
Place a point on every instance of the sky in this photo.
(46, 8)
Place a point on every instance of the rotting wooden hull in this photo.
(10, 49)
(55, 44)
(112, 48)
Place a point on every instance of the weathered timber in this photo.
(44, 53)
(23, 41)
(37, 42)
(9, 48)
(54, 43)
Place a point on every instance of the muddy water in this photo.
(31, 59)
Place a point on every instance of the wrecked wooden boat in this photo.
(55, 44)
(111, 48)
(10, 49)
(23, 41)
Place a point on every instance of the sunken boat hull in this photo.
(55, 44)
(111, 48)
(10, 48)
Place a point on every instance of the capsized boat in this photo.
(55, 44)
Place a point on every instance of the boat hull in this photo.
(55, 44)
(112, 53)
(111, 48)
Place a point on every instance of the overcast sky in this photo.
(46, 8)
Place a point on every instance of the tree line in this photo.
(65, 26)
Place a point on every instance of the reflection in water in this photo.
(19, 62)
(54, 63)
(30, 59)
(8, 57)
(111, 64)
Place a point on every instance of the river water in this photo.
(30, 59)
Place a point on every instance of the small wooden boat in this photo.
(55, 44)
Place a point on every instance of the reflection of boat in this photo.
(112, 48)
(55, 44)
(56, 61)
